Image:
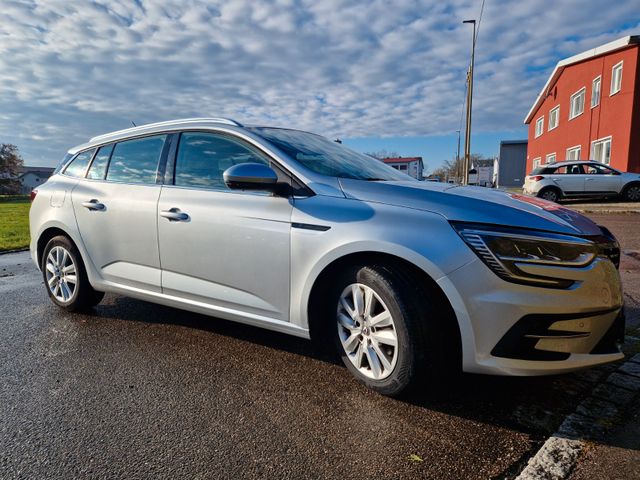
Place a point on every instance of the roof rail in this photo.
(180, 121)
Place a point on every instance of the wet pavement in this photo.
(137, 390)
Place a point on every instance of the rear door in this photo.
(225, 248)
(115, 207)
(601, 179)
(570, 178)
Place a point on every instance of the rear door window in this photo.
(98, 167)
(136, 161)
(78, 165)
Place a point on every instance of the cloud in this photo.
(70, 70)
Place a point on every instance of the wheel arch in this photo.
(632, 183)
(426, 283)
(550, 187)
(50, 232)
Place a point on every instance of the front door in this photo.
(225, 248)
(116, 211)
(601, 179)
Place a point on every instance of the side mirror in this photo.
(250, 176)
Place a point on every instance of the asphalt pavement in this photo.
(137, 390)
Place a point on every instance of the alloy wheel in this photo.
(550, 195)
(61, 274)
(367, 331)
(633, 193)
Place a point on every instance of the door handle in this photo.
(93, 204)
(174, 215)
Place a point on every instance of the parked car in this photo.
(574, 179)
(289, 231)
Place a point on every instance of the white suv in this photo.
(581, 179)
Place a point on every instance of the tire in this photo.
(417, 353)
(631, 193)
(550, 194)
(62, 266)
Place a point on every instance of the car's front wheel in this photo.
(632, 193)
(65, 276)
(383, 330)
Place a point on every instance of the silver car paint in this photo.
(259, 286)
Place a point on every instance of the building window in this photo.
(616, 78)
(573, 153)
(601, 150)
(536, 162)
(577, 103)
(554, 117)
(595, 91)
(539, 126)
(551, 158)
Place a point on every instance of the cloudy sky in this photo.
(378, 74)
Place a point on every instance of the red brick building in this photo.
(589, 109)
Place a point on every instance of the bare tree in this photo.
(10, 163)
(380, 154)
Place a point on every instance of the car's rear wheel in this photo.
(632, 193)
(550, 194)
(385, 328)
(65, 276)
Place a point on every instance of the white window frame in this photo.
(540, 122)
(616, 86)
(602, 141)
(536, 162)
(550, 155)
(583, 92)
(597, 80)
(575, 148)
(557, 110)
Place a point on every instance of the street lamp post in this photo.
(467, 139)
(458, 158)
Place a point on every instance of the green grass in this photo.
(14, 223)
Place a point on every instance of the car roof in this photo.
(177, 124)
(572, 162)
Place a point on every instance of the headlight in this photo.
(504, 250)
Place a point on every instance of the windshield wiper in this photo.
(375, 179)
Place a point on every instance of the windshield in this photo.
(323, 156)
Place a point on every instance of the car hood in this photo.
(473, 204)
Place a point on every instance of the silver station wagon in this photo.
(289, 231)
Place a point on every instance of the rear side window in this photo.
(136, 161)
(539, 170)
(78, 165)
(98, 167)
(203, 158)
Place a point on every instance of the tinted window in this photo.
(323, 156)
(99, 166)
(570, 170)
(62, 163)
(78, 165)
(203, 158)
(136, 161)
(599, 170)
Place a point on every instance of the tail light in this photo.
(33, 194)
(536, 178)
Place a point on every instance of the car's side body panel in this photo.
(122, 237)
(212, 257)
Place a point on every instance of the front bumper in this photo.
(513, 329)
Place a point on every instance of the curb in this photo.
(558, 456)
(4, 252)
(606, 211)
